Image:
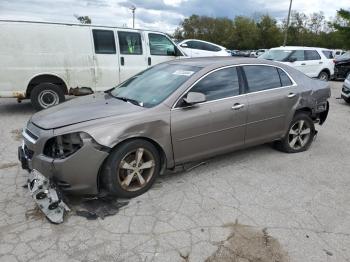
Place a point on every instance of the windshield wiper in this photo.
(125, 99)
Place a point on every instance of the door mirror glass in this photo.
(194, 98)
(184, 45)
(292, 59)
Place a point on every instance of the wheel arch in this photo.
(327, 71)
(161, 151)
(46, 78)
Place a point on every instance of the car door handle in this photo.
(291, 95)
(303, 64)
(122, 62)
(237, 106)
(320, 62)
(149, 61)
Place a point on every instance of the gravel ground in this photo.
(290, 207)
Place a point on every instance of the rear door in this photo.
(271, 98)
(133, 57)
(160, 49)
(212, 127)
(106, 63)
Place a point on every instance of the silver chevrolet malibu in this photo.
(180, 111)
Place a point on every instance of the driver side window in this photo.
(219, 84)
(161, 45)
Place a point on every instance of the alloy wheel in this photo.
(136, 169)
(299, 134)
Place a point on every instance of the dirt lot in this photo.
(252, 205)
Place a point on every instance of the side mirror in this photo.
(292, 59)
(171, 52)
(194, 98)
(184, 45)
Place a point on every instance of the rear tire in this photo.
(324, 76)
(299, 136)
(131, 169)
(46, 95)
(347, 100)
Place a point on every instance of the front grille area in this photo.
(63, 146)
(28, 153)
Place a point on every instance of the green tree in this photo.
(245, 34)
(342, 25)
(269, 34)
(83, 19)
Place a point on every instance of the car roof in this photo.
(219, 61)
(299, 48)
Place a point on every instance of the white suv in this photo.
(312, 61)
(199, 48)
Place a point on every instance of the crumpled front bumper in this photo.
(47, 196)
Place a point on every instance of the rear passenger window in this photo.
(130, 43)
(219, 84)
(312, 55)
(285, 80)
(328, 54)
(161, 45)
(261, 77)
(104, 41)
(209, 47)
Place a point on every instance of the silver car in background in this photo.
(176, 112)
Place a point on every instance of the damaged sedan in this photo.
(170, 114)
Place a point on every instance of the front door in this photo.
(106, 66)
(271, 97)
(212, 127)
(132, 54)
(160, 49)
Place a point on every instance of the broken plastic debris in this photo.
(47, 197)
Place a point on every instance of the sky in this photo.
(163, 15)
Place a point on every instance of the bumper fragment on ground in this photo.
(47, 197)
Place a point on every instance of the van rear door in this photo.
(133, 54)
(106, 60)
(160, 49)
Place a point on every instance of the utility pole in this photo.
(286, 32)
(133, 8)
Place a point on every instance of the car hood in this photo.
(342, 60)
(82, 109)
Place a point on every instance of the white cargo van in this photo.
(46, 61)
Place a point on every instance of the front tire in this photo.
(324, 76)
(46, 95)
(131, 169)
(299, 136)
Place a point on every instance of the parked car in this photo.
(338, 52)
(312, 61)
(173, 113)
(46, 61)
(258, 53)
(244, 53)
(199, 48)
(342, 66)
(345, 94)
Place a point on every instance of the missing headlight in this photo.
(63, 146)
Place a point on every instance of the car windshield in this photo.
(152, 86)
(276, 55)
(345, 56)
